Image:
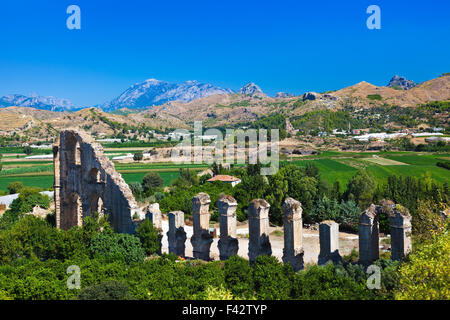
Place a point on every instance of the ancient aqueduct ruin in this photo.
(86, 182)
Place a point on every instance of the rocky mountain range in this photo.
(37, 102)
(154, 92)
(179, 100)
(217, 110)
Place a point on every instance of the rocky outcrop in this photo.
(310, 96)
(401, 83)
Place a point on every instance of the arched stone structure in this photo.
(81, 168)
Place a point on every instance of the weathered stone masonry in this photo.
(86, 182)
(293, 233)
(201, 240)
(228, 243)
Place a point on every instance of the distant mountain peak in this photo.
(398, 82)
(251, 89)
(153, 92)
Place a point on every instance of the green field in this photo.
(333, 166)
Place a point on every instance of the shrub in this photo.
(271, 278)
(27, 200)
(218, 293)
(27, 150)
(329, 282)
(426, 275)
(138, 156)
(150, 237)
(445, 165)
(14, 187)
(375, 97)
(117, 246)
(109, 290)
(238, 277)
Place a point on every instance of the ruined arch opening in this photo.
(73, 150)
(95, 176)
(74, 213)
(96, 205)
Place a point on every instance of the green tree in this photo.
(361, 188)
(138, 156)
(14, 187)
(326, 209)
(27, 150)
(150, 237)
(151, 181)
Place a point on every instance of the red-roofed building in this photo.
(225, 179)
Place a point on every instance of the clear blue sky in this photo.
(282, 45)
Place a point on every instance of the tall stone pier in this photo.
(400, 220)
(154, 214)
(329, 242)
(258, 228)
(293, 233)
(176, 235)
(228, 243)
(369, 235)
(201, 239)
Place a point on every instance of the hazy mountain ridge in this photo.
(153, 92)
(38, 102)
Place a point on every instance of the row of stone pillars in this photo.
(258, 224)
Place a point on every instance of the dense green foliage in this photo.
(34, 257)
(14, 187)
(375, 118)
(150, 237)
(116, 246)
(151, 181)
(138, 156)
(270, 122)
(444, 164)
(426, 276)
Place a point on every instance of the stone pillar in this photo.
(258, 228)
(154, 214)
(176, 235)
(329, 242)
(400, 233)
(228, 243)
(293, 233)
(201, 239)
(369, 235)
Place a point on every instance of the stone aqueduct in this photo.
(86, 182)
